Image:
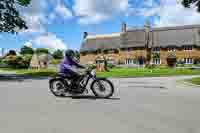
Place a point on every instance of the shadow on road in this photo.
(89, 97)
(17, 78)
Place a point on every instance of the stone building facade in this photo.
(129, 45)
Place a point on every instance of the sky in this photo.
(59, 24)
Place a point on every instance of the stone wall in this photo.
(135, 53)
(180, 54)
(121, 56)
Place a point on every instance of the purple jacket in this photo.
(67, 64)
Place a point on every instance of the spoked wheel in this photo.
(57, 87)
(102, 88)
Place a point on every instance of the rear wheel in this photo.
(57, 87)
(102, 88)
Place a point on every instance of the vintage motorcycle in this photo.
(62, 85)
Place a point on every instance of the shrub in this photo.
(197, 61)
(110, 65)
(55, 61)
(180, 63)
(18, 61)
(92, 66)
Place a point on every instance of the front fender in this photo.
(95, 80)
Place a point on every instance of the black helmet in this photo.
(69, 53)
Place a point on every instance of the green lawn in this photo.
(144, 72)
(195, 81)
(116, 72)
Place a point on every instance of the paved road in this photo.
(142, 105)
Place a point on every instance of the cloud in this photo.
(63, 11)
(35, 16)
(144, 12)
(50, 41)
(28, 44)
(149, 2)
(36, 23)
(96, 11)
(60, 11)
(173, 14)
(146, 8)
(38, 14)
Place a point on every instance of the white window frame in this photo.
(188, 61)
(156, 61)
(129, 61)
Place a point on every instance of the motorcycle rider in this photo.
(67, 67)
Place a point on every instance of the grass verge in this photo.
(195, 81)
(145, 72)
(115, 73)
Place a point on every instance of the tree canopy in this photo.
(42, 51)
(188, 3)
(77, 55)
(26, 50)
(10, 19)
(58, 54)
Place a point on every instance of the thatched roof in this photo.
(34, 61)
(101, 42)
(39, 58)
(158, 37)
(175, 36)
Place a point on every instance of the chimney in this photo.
(147, 28)
(85, 34)
(123, 27)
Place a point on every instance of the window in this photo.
(129, 61)
(156, 49)
(188, 60)
(171, 49)
(156, 61)
(188, 48)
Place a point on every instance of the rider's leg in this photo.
(76, 77)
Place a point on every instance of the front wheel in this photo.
(102, 88)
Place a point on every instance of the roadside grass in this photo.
(145, 72)
(195, 81)
(115, 72)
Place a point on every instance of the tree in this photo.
(26, 50)
(77, 55)
(58, 54)
(11, 53)
(10, 19)
(188, 3)
(42, 51)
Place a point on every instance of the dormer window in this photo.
(156, 50)
(171, 49)
(188, 48)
